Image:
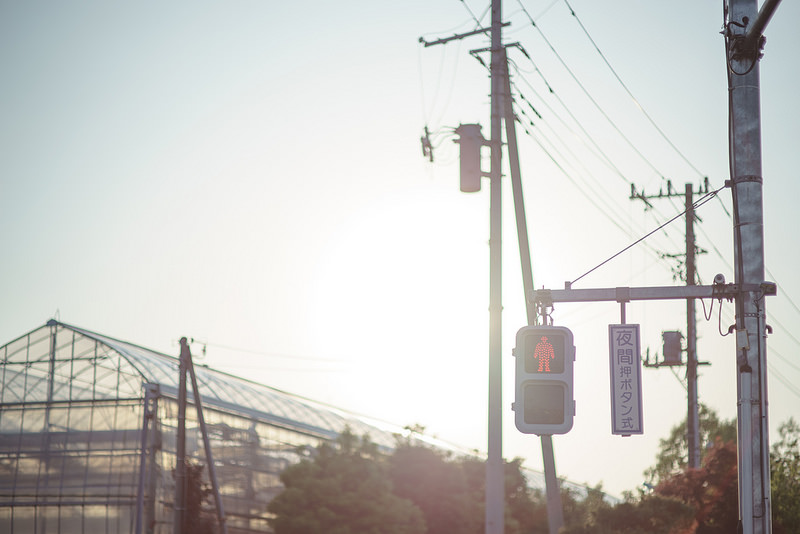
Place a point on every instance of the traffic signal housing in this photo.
(471, 140)
(672, 347)
(544, 402)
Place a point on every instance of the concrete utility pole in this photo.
(186, 354)
(179, 507)
(692, 415)
(495, 471)
(555, 510)
(744, 40)
(495, 477)
(186, 368)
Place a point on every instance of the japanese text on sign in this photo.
(626, 379)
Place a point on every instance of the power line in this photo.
(784, 294)
(624, 86)
(696, 205)
(589, 96)
(554, 154)
(600, 153)
(594, 148)
(477, 21)
(607, 210)
(783, 380)
(785, 330)
(627, 90)
(648, 117)
(267, 354)
(572, 179)
(784, 359)
(554, 149)
(573, 117)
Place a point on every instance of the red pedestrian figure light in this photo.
(544, 353)
(543, 402)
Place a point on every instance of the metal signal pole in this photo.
(744, 40)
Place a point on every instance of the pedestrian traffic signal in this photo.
(544, 403)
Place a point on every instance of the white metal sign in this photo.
(625, 360)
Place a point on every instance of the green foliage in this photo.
(651, 514)
(785, 478)
(673, 452)
(349, 488)
(582, 511)
(451, 491)
(438, 487)
(711, 490)
(702, 500)
(343, 490)
(526, 511)
(196, 520)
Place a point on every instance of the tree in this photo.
(684, 500)
(451, 491)
(344, 489)
(437, 486)
(673, 452)
(649, 514)
(195, 519)
(525, 510)
(785, 478)
(697, 501)
(580, 510)
(523, 507)
(711, 490)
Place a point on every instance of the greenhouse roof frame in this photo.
(101, 357)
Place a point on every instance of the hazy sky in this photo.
(249, 174)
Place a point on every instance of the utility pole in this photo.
(692, 415)
(495, 476)
(501, 112)
(555, 510)
(744, 26)
(186, 368)
(186, 354)
(495, 471)
(179, 507)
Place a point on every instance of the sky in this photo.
(249, 175)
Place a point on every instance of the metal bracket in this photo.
(748, 178)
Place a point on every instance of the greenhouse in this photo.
(89, 430)
(88, 436)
